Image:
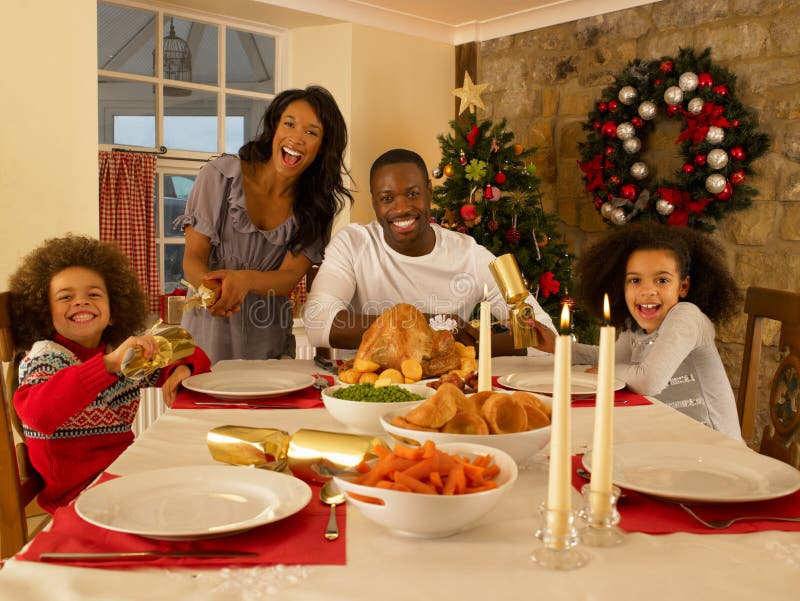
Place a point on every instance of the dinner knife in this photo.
(115, 555)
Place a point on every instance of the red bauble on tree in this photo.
(500, 178)
(721, 90)
(700, 160)
(688, 168)
(704, 80)
(468, 212)
(737, 177)
(613, 105)
(638, 122)
(513, 235)
(726, 193)
(602, 107)
(492, 225)
(629, 192)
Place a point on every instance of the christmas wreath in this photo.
(718, 143)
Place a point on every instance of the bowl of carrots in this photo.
(430, 491)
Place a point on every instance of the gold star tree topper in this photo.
(470, 94)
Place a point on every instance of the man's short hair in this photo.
(397, 156)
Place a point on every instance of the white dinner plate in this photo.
(188, 503)
(542, 382)
(683, 471)
(248, 384)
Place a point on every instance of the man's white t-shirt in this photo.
(365, 275)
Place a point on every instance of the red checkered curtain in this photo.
(126, 213)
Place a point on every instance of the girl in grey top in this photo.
(666, 285)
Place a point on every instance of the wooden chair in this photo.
(19, 483)
(781, 437)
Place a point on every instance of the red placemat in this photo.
(296, 540)
(622, 398)
(307, 398)
(643, 513)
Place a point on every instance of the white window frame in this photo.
(183, 162)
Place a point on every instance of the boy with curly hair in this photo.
(77, 305)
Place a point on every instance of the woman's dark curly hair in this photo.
(29, 288)
(321, 191)
(602, 269)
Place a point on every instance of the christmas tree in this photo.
(491, 193)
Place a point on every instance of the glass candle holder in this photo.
(559, 537)
(601, 516)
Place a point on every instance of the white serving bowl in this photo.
(364, 416)
(433, 516)
(519, 445)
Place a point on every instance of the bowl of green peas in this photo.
(360, 406)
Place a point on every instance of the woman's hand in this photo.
(113, 360)
(171, 384)
(234, 285)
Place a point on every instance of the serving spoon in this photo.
(330, 495)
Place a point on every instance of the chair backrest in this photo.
(19, 483)
(781, 437)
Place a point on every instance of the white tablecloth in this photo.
(488, 562)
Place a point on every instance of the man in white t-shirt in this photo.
(402, 257)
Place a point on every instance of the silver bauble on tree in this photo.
(687, 81)
(617, 216)
(639, 170)
(673, 95)
(605, 210)
(717, 158)
(715, 135)
(632, 145)
(625, 130)
(664, 207)
(715, 183)
(695, 106)
(647, 110)
(627, 95)
(436, 172)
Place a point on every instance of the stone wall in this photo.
(545, 81)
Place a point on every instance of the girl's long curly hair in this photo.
(321, 192)
(29, 288)
(602, 268)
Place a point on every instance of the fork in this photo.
(721, 524)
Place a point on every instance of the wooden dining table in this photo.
(489, 561)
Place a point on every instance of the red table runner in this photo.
(643, 513)
(296, 540)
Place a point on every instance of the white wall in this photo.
(393, 89)
(48, 145)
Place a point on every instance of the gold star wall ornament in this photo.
(470, 94)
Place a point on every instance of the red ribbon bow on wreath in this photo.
(683, 203)
(594, 171)
(697, 126)
(548, 284)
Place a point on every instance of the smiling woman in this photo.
(256, 223)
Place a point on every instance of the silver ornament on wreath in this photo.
(664, 207)
(605, 210)
(647, 110)
(627, 95)
(695, 106)
(632, 145)
(688, 81)
(715, 183)
(673, 95)
(717, 158)
(715, 135)
(618, 216)
(639, 170)
(625, 130)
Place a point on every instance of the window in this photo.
(165, 80)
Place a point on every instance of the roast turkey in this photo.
(402, 332)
